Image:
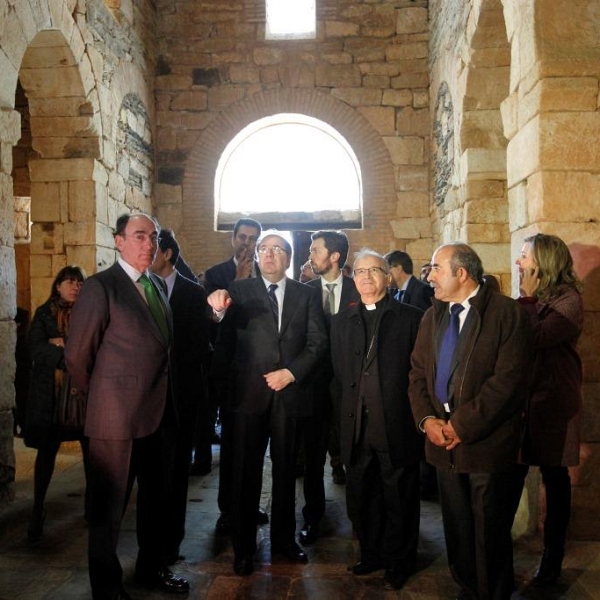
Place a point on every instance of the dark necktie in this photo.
(330, 300)
(274, 303)
(399, 295)
(444, 362)
(155, 306)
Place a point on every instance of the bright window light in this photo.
(291, 19)
(289, 163)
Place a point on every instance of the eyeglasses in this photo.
(371, 271)
(273, 249)
(141, 238)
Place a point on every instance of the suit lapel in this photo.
(290, 303)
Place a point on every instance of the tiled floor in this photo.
(55, 568)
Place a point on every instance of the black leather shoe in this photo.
(223, 524)
(164, 579)
(364, 568)
(263, 517)
(395, 578)
(291, 551)
(243, 566)
(549, 568)
(308, 534)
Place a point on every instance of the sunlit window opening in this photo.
(290, 171)
(291, 19)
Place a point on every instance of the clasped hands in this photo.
(441, 433)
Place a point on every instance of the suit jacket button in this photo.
(353, 384)
(351, 415)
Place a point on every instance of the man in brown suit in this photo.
(467, 390)
(118, 351)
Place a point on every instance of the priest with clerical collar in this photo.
(371, 344)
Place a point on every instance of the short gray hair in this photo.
(366, 252)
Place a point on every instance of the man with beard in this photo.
(328, 253)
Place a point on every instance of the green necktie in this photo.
(155, 306)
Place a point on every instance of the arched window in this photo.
(289, 171)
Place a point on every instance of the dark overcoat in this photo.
(488, 387)
(552, 434)
(397, 334)
(46, 358)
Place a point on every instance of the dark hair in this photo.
(123, 219)
(397, 258)
(167, 241)
(69, 272)
(466, 258)
(246, 222)
(334, 241)
(555, 265)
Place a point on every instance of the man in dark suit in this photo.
(328, 253)
(371, 344)
(118, 351)
(242, 265)
(468, 386)
(270, 341)
(405, 287)
(190, 356)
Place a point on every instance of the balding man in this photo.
(270, 341)
(468, 388)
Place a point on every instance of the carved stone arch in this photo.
(481, 177)
(379, 195)
(55, 74)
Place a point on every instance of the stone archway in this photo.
(482, 175)
(379, 195)
(66, 143)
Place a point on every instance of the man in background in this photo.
(405, 287)
(320, 433)
(242, 265)
(190, 356)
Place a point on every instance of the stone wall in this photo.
(515, 87)
(365, 74)
(75, 94)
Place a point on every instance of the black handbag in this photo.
(70, 409)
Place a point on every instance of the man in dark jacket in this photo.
(468, 397)
(405, 286)
(190, 354)
(371, 343)
(270, 341)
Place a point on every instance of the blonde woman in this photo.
(551, 293)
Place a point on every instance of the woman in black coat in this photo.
(46, 342)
